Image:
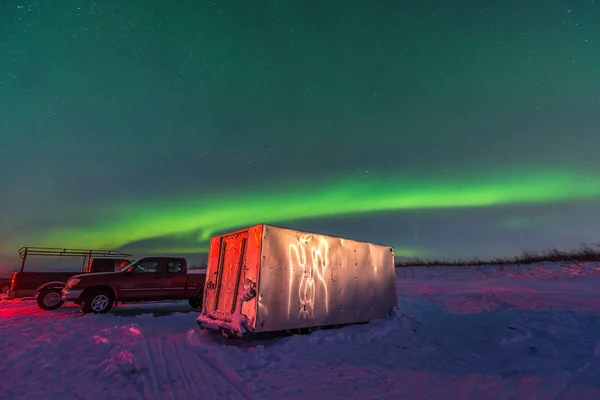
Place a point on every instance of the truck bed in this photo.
(26, 283)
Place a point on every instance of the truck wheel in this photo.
(49, 299)
(195, 302)
(97, 302)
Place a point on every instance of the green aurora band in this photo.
(119, 225)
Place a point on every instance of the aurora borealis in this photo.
(444, 129)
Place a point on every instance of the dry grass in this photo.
(584, 253)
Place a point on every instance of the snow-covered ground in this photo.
(461, 333)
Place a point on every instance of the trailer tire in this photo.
(98, 301)
(196, 302)
(49, 299)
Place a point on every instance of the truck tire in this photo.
(195, 302)
(49, 299)
(98, 301)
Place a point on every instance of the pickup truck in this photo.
(146, 279)
(46, 286)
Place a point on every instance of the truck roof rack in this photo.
(24, 252)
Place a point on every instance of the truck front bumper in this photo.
(71, 294)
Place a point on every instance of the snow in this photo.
(461, 332)
(197, 271)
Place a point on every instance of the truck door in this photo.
(145, 281)
(222, 297)
(175, 279)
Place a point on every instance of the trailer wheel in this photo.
(49, 299)
(97, 302)
(195, 302)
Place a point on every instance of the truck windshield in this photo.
(144, 266)
(128, 266)
(122, 265)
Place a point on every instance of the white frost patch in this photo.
(118, 364)
(101, 339)
(135, 331)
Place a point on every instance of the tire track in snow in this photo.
(164, 373)
(186, 374)
(176, 370)
(203, 359)
(167, 377)
(201, 372)
(152, 385)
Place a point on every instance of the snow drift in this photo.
(468, 333)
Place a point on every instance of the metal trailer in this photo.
(266, 279)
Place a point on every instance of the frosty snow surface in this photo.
(501, 332)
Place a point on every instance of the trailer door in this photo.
(229, 273)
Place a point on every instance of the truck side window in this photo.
(147, 267)
(174, 266)
(119, 265)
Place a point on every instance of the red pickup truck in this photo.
(147, 279)
(46, 286)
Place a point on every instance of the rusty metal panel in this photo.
(224, 275)
(310, 280)
(251, 272)
(208, 302)
(232, 274)
(229, 277)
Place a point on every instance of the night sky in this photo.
(447, 129)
